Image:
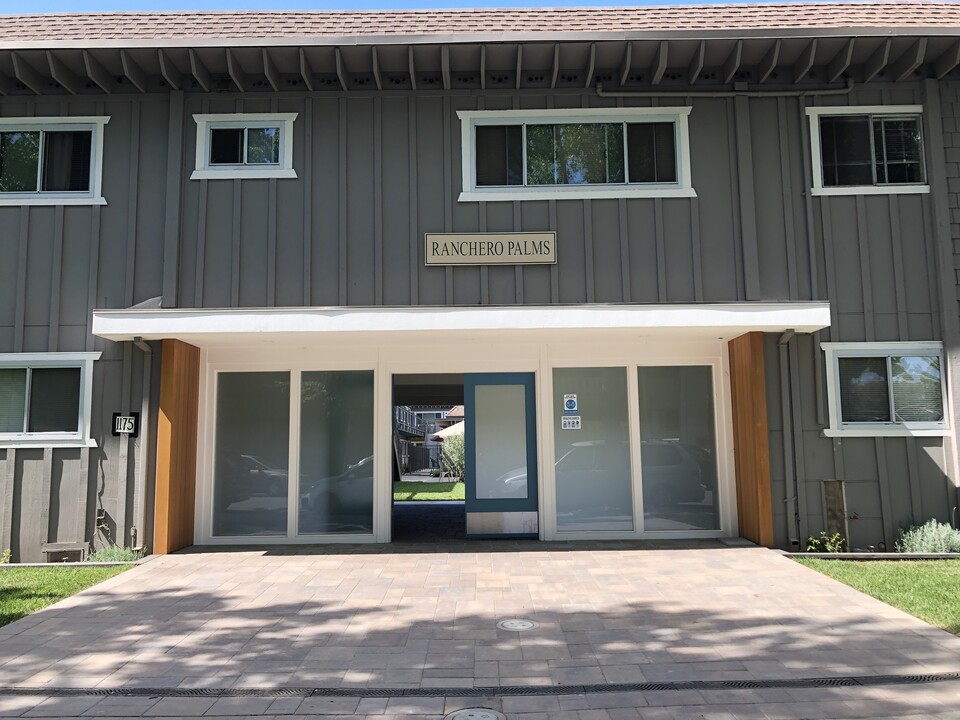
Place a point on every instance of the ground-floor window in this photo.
(333, 424)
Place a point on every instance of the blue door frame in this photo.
(470, 383)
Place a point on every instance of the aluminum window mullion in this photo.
(245, 144)
(40, 159)
(886, 159)
(893, 409)
(626, 156)
(523, 138)
(873, 149)
(26, 399)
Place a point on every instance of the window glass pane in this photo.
(13, 393)
(652, 154)
(594, 483)
(19, 161)
(252, 451)
(898, 149)
(263, 146)
(226, 146)
(499, 155)
(501, 435)
(575, 154)
(917, 396)
(54, 400)
(66, 161)
(678, 449)
(336, 452)
(863, 390)
(846, 156)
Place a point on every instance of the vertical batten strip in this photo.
(56, 277)
(93, 265)
(796, 400)
(866, 282)
(787, 197)
(482, 225)
(883, 479)
(791, 479)
(735, 198)
(661, 250)
(624, 234)
(272, 226)
(171, 217)
(19, 314)
(897, 255)
(448, 198)
(518, 269)
(236, 236)
(132, 197)
(696, 249)
(307, 183)
(342, 200)
(588, 249)
(201, 251)
(119, 495)
(413, 199)
(378, 200)
(748, 210)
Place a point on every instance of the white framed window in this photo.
(45, 399)
(51, 160)
(244, 146)
(894, 388)
(867, 150)
(586, 153)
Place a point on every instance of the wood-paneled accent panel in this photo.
(176, 447)
(750, 438)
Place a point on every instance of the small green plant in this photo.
(435, 472)
(931, 537)
(453, 459)
(5, 557)
(835, 543)
(115, 553)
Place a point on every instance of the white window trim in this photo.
(94, 196)
(205, 123)
(470, 119)
(84, 361)
(836, 350)
(813, 117)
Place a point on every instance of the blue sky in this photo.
(46, 6)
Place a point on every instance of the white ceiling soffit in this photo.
(273, 324)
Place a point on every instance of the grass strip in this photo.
(927, 589)
(26, 590)
(428, 491)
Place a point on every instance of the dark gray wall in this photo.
(378, 171)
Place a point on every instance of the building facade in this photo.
(693, 274)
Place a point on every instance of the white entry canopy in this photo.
(213, 326)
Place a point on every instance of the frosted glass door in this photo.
(592, 458)
(501, 442)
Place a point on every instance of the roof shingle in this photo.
(320, 25)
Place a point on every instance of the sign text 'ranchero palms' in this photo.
(524, 248)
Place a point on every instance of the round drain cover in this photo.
(516, 624)
(476, 714)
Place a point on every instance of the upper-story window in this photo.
(45, 398)
(892, 388)
(244, 145)
(590, 153)
(867, 150)
(51, 160)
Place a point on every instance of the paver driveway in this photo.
(421, 616)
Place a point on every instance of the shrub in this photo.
(115, 553)
(826, 543)
(452, 460)
(931, 537)
(5, 556)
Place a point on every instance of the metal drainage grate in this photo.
(516, 624)
(475, 714)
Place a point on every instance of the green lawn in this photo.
(25, 590)
(428, 491)
(927, 589)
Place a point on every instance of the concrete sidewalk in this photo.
(424, 617)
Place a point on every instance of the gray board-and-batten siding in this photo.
(377, 171)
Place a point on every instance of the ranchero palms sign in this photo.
(523, 248)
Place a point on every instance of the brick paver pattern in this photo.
(405, 618)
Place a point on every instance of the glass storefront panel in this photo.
(678, 449)
(501, 432)
(250, 485)
(592, 456)
(336, 452)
